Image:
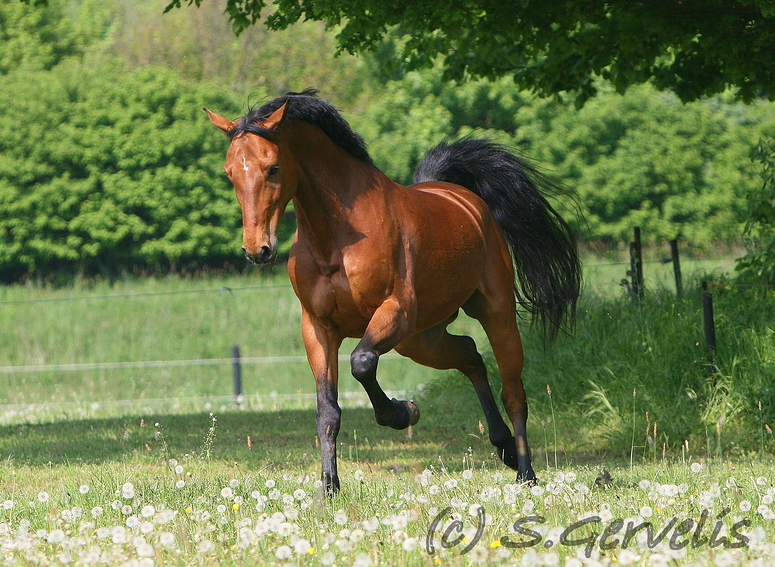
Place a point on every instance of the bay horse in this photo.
(392, 265)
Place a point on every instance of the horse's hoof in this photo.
(527, 476)
(330, 485)
(406, 413)
(414, 412)
(508, 454)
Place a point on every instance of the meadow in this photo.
(646, 454)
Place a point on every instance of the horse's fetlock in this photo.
(363, 364)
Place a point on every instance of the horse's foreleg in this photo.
(388, 326)
(322, 346)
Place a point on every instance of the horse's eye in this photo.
(273, 169)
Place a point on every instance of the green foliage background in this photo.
(108, 165)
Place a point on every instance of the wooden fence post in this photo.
(676, 266)
(237, 371)
(636, 264)
(710, 327)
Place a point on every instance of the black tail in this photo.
(544, 248)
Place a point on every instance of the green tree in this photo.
(103, 171)
(647, 159)
(759, 263)
(694, 48)
(35, 38)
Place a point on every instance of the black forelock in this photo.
(308, 107)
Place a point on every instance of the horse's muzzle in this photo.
(266, 255)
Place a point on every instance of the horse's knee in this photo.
(363, 364)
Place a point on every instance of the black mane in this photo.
(305, 106)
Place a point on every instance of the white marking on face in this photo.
(245, 164)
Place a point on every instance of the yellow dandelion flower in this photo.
(189, 509)
(311, 550)
(495, 543)
(437, 561)
(235, 506)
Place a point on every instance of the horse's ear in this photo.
(275, 118)
(219, 121)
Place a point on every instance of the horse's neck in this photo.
(330, 183)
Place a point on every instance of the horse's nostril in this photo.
(266, 255)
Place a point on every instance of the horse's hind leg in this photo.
(497, 314)
(438, 349)
(388, 326)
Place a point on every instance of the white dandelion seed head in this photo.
(695, 467)
(283, 552)
(55, 536)
(205, 546)
(43, 497)
(302, 546)
(146, 527)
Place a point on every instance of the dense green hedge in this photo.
(112, 171)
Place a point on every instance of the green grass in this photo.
(191, 490)
(239, 486)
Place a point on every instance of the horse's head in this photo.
(264, 181)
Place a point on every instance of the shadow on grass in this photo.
(278, 439)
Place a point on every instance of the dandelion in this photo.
(83, 489)
(359, 475)
(467, 474)
(179, 469)
(761, 481)
(55, 536)
(371, 525)
(8, 504)
(147, 511)
(646, 512)
(478, 554)
(450, 484)
(537, 490)
(180, 484)
(145, 550)
(328, 558)
(146, 527)
(302, 546)
(767, 499)
(226, 492)
(363, 560)
(283, 552)
(340, 517)
(269, 484)
(119, 534)
(745, 505)
(696, 467)
(43, 497)
(644, 484)
(410, 544)
(167, 539)
(205, 546)
(724, 559)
